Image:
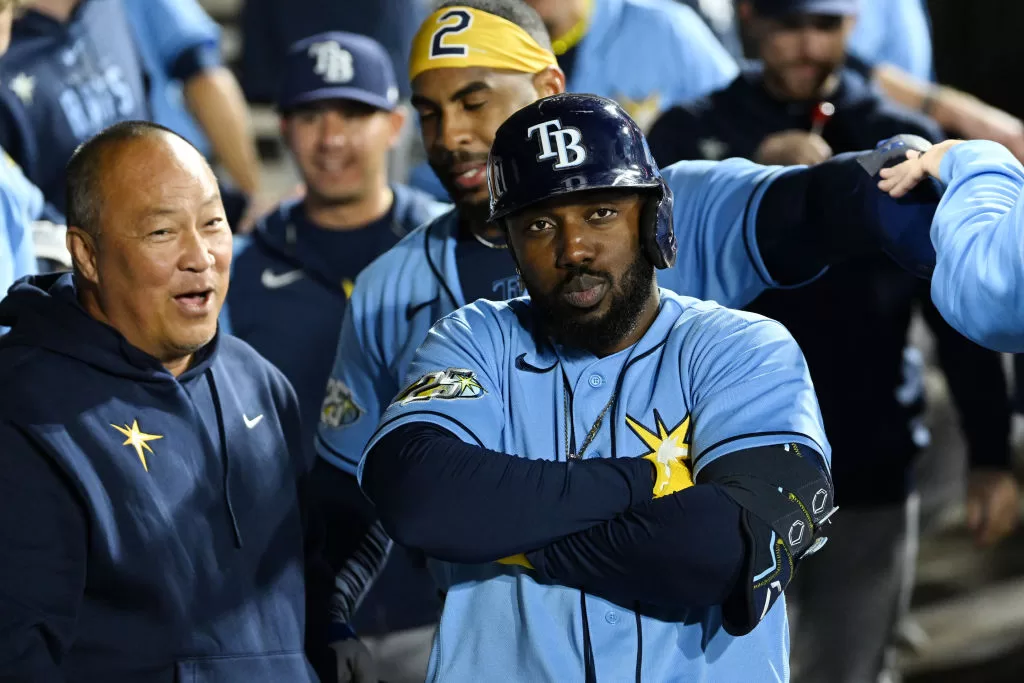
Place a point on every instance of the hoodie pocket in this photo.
(277, 667)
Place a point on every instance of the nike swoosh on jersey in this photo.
(253, 422)
(273, 280)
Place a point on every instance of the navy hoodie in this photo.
(150, 526)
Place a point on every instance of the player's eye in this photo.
(473, 106)
(603, 214)
(539, 226)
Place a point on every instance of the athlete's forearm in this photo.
(825, 214)
(692, 540)
(462, 503)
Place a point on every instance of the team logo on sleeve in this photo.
(448, 384)
(339, 408)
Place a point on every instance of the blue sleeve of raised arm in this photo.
(702, 63)
(715, 214)
(978, 233)
(359, 387)
(895, 32)
(181, 34)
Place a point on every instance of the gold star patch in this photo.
(137, 439)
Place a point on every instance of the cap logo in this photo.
(497, 179)
(333, 62)
(566, 144)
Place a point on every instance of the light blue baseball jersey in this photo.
(894, 32)
(978, 233)
(164, 30)
(401, 294)
(21, 202)
(703, 379)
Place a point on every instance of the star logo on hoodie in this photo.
(137, 439)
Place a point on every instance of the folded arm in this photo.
(464, 503)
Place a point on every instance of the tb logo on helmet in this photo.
(566, 142)
(333, 62)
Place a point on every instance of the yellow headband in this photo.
(461, 37)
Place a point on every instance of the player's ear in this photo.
(82, 247)
(550, 81)
(397, 119)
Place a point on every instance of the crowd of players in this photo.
(337, 289)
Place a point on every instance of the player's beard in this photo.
(569, 326)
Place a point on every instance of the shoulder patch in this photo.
(447, 384)
(339, 408)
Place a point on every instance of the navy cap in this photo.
(778, 8)
(338, 66)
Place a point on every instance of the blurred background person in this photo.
(22, 202)
(192, 92)
(292, 277)
(852, 324)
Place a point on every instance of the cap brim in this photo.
(351, 94)
(839, 8)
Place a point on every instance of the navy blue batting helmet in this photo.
(572, 143)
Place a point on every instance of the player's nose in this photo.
(574, 243)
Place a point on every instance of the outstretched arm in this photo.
(978, 234)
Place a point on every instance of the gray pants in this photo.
(846, 601)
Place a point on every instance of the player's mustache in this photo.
(447, 159)
(582, 277)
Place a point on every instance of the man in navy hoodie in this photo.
(152, 522)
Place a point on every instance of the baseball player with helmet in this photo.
(614, 482)
(978, 283)
(747, 227)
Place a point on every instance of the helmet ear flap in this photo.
(657, 236)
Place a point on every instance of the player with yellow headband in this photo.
(742, 228)
(647, 55)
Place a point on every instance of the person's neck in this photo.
(58, 9)
(89, 300)
(473, 226)
(643, 323)
(351, 216)
(827, 89)
(575, 12)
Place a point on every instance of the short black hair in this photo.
(515, 11)
(85, 170)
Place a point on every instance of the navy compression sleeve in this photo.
(834, 211)
(463, 503)
(694, 536)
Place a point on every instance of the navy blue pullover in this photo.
(151, 527)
